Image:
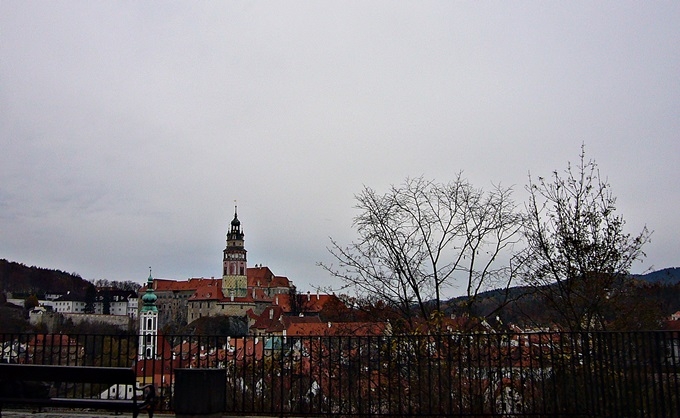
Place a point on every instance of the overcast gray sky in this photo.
(129, 128)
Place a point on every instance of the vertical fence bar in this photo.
(660, 358)
(651, 374)
(518, 361)
(400, 388)
(609, 359)
(460, 374)
(600, 383)
(657, 375)
(628, 362)
(571, 357)
(644, 370)
(530, 372)
(674, 367)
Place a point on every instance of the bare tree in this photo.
(577, 252)
(422, 237)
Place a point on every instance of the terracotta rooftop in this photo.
(210, 292)
(309, 303)
(270, 320)
(288, 320)
(337, 328)
(263, 277)
(181, 285)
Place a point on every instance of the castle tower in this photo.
(148, 323)
(234, 263)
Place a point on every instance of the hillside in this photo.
(667, 276)
(658, 291)
(22, 280)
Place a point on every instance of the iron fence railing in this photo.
(495, 374)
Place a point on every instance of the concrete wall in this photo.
(115, 320)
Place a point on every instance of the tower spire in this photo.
(148, 323)
(149, 298)
(234, 261)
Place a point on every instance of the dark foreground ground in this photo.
(28, 413)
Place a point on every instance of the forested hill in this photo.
(660, 290)
(667, 276)
(22, 280)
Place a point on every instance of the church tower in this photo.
(234, 263)
(148, 323)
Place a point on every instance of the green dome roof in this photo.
(149, 298)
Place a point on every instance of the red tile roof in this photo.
(247, 348)
(307, 303)
(288, 320)
(181, 285)
(337, 328)
(209, 292)
(263, 277)
(251, 315)
(52, 340)
(270, 320)
(259, 274)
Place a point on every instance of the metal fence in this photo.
(495, 374)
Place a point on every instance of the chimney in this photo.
(317, 294)
(309, 296)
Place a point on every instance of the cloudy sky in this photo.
(128, 129)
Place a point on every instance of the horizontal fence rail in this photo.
(520, 374)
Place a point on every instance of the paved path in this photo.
(28, 413)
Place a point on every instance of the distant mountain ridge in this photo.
(667, 276)
(661, 286)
